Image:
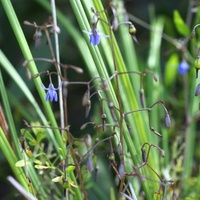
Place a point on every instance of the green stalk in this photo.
(9, 117)
(89, 52)
(6, 146)
(130, 102)
(12, 159)
(190, 131)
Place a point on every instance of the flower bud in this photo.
(197, 65)
(103, 117)
(162, 153)
(96, 172)
(121, 170)
(144, 156)
(132, 29)
(94, 21)
(119, 149)
(167, 121)
(183, 67)
(197, 62)
(111, 106)
(197, 90)
(111, 157)
(37, 37)
(88, 141)
(89, 164)
(142, 97)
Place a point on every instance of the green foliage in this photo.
(180, 25)
(138, 138)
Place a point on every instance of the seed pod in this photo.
(119, 149)
(197, 90)
(197, 65)
(96, 172)
(103, 117)
(162, 153)
(87, 103)
(37, 37)
(121, 170)
(94, 21)
(89, 164)
(144, 156)
(88, 141)
(142, 97)
(111, 157)
(111, 106)
(132, 31)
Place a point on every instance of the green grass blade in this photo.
(32, 67)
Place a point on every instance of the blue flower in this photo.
(183, 67)
(95, 36)
(51, 94)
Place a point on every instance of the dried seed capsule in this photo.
(144, 156)
(103, 117)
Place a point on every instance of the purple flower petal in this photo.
(51, 92)
(95, 36)
(183, 67)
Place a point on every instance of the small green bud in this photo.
(132, 29)
(197, 62)
(111, 157)
(197, 65)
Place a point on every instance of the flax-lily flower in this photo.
(95, 36)
(51, 92)
(183, 67)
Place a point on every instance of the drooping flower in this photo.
(183, 67)
(95, 36)
(51, 92)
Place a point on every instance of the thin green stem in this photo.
(53, 6)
